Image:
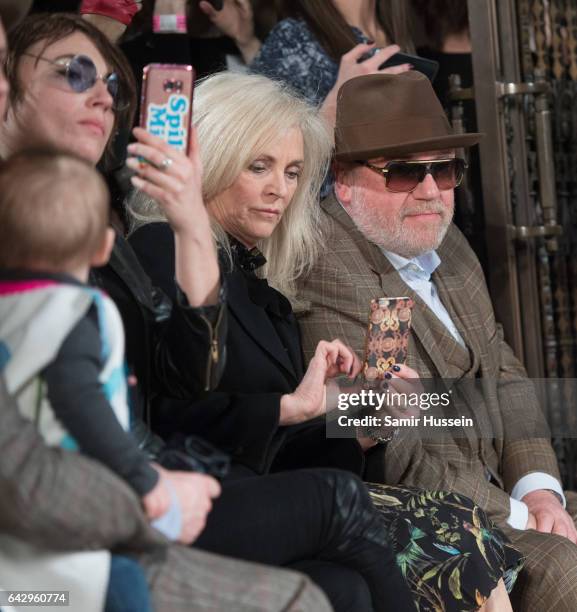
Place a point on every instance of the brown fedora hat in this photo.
(12, 11)
(385, 115)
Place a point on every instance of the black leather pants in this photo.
(319, 521)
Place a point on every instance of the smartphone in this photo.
(166, 104)
(427, 66)
(387, 336)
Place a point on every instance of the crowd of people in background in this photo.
(173, 326)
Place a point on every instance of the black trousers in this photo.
(319, 521)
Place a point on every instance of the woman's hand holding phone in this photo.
(171, 178)
(353, 64)
(169, 170)
(174, 180)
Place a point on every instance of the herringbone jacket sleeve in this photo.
(331, 313)
(526, 446)
(440, 465)
(520, 431)
(61, 500)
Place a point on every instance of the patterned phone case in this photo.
(387, 335)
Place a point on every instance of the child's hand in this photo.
(157, 501)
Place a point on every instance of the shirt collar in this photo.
(426, 263)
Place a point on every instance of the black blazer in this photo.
(264, 361)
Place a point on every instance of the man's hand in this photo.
(195, 493)
(549, 514)
(406, 382)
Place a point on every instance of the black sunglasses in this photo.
(81, 75)
(404, 176)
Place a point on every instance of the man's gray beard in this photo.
(395, 240)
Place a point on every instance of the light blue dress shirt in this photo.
(170, 523)
(417, 273)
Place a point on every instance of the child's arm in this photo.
(62, 500)
(78, 400)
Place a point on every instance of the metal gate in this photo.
(525, 73)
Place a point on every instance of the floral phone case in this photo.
(387, 335)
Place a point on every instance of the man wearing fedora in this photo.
(389, 232)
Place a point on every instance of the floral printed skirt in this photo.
(450, 553)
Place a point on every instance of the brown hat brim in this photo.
(438, 143)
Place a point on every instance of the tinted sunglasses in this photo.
(404, 176)
(81, 75)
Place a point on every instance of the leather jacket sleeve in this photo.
(188, 344)
(172, 348)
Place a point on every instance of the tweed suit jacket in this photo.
(62, 501)
(351, 272)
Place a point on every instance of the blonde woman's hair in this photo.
(237, 116)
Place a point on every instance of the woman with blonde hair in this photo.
(264, 154)
(270, 111)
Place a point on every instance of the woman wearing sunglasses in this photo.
(70, 62)
(264, 154)
(72, 90)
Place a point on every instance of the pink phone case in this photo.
(166, 105)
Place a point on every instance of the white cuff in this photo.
(537, 481)
(519, 515)
(170, 523)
